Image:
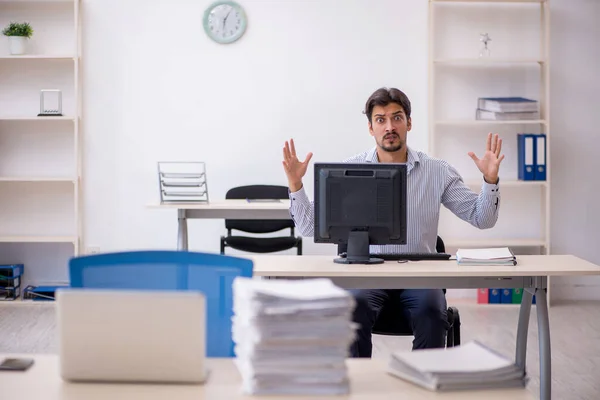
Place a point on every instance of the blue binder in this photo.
(527, 154)
(494, 296)
(540, 157)
(506, 296)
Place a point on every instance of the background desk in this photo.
(369, 381)
(530, 274)
(223, 209)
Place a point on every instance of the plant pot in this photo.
(17, 44)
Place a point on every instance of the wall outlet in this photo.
(93, 250)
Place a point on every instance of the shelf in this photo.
(39, 56)
(485, 62)
(493, 242)
(38, 239)
(466, 122)
(36, 179)
(36, 118)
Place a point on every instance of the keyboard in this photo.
(410, 256)
(413, 256)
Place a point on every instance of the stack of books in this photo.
(490, 256)
(471, 366)
(292, 336)
(506, 109)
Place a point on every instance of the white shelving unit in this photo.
(40, 157)
(517, 66)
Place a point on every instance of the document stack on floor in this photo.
(471, 366)
(292, 336)
(492, 256)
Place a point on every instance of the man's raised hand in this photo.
(294, 168)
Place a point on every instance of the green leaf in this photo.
(18, 29)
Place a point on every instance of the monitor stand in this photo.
(358, 250)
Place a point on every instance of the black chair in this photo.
(254, 244)
(389, 323)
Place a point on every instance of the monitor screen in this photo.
(360, 204)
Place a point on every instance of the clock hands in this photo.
(225, 20)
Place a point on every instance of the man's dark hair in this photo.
(383, 97)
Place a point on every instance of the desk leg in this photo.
(522, 328)
(544, 339)
(182, 231)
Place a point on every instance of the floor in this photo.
(575, 336)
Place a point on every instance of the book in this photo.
(506, 116)
(471, 366)
(488, 256)
(507, 104)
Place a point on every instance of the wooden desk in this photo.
(530, 274)
(369, 381)
(222, 209)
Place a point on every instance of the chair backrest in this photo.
(211, 274)
(258, 192)
(440, 247)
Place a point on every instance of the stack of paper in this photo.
(492, 256)
(292, 336)
(471, 366)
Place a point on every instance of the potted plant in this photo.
(18, 33)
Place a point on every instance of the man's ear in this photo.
(409, 123)
(370, 128)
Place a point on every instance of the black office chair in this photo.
(389, 323)
(255, 244)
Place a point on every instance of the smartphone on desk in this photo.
(16, 364)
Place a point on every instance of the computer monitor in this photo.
(360, 205)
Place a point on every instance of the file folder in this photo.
(540, 158)
(482, 296)
(526, 148)
(494, 296)
(517, 296)
(506, 296)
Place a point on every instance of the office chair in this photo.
(390, 323)
(255, 244)
(211, 274)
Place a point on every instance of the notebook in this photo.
(489, 256)
(471, 366)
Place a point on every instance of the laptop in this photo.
(131, 336)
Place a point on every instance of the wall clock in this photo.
(225, 21)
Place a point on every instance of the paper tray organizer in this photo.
(41, 293)
(182, 182)
(10, 281)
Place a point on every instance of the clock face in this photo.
(224, 21)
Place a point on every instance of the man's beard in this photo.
(391, 147)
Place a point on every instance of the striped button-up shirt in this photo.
(431, 182)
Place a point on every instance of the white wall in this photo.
(156, 88)
(575, 86)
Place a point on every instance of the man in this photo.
(431, 183)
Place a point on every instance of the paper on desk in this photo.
(499, 253)
(279, 289)
(469, 366)
(292, 337)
